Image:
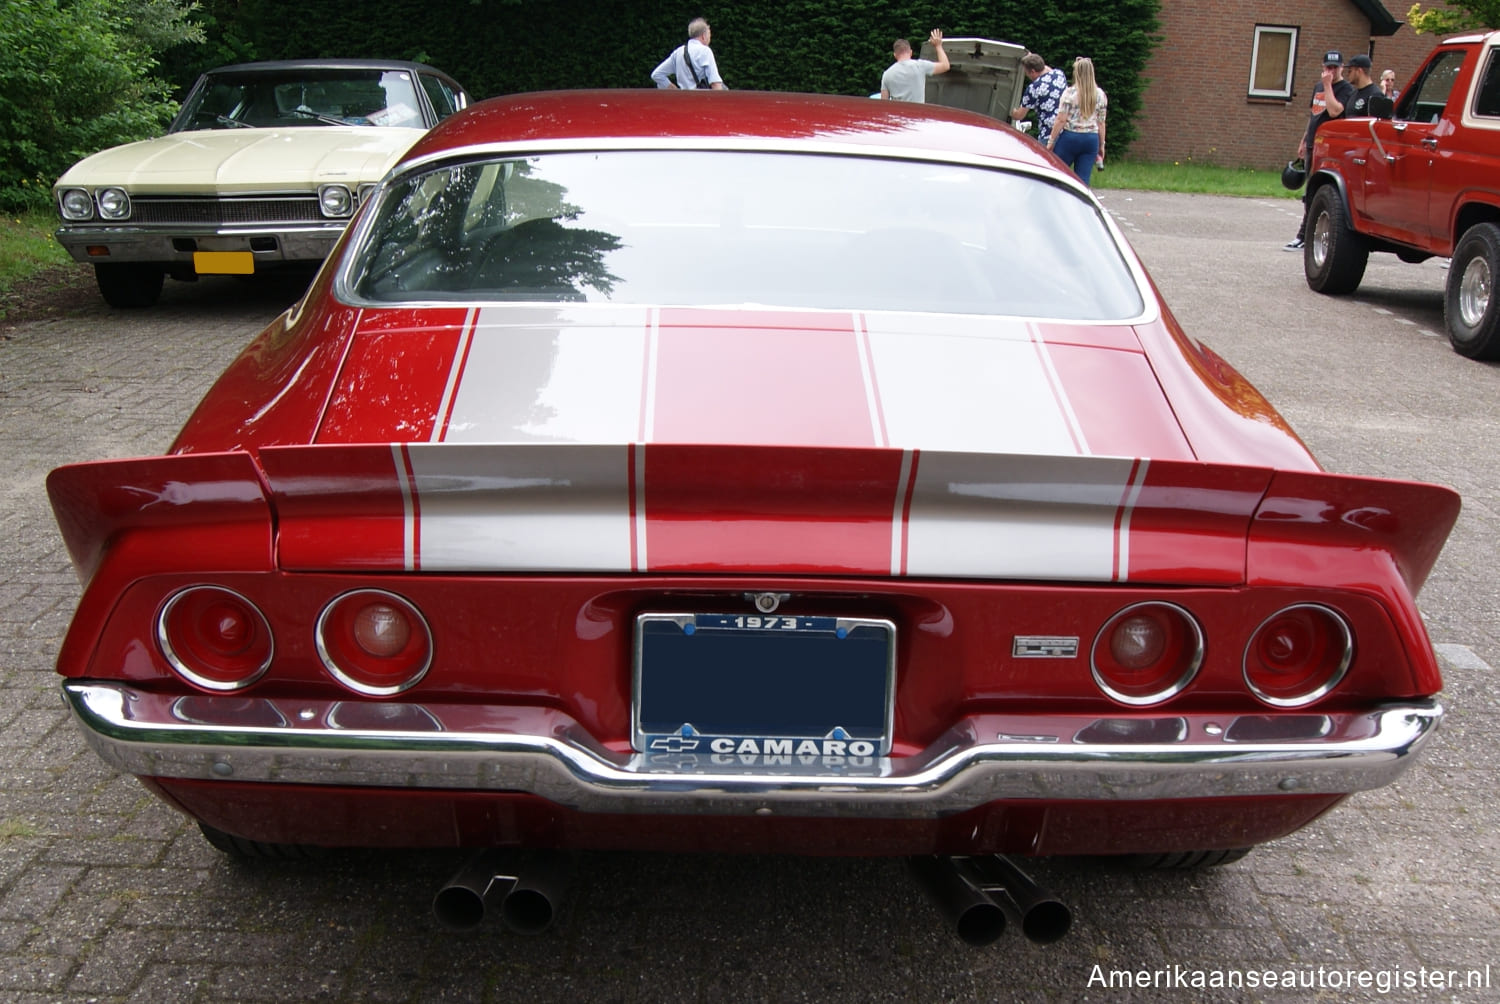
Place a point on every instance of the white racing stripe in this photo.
(968, 384)
(488, 507)
(552, 374)
(455, 373)
(1015, 517)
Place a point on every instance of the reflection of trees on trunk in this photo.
(543, 257)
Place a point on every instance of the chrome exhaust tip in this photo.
(525, 889)
(981, 895)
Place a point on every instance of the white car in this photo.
(264, 165)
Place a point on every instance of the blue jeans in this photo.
(1078, 150)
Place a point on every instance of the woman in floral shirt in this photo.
(1078, 134)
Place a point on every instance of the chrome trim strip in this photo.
(544, 752)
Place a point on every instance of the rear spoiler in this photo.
(796, 510)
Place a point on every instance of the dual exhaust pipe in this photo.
(981, 896)
(525, 888)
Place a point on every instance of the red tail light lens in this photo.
(1147, 653)
(214, 638)
(1298, 655)
(374, 642)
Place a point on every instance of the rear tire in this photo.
(257, 850)
(129, 285)
(1470, 307)
(1334, 257)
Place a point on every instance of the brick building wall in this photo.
(1196, 104)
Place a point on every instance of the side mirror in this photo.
(1381, 106)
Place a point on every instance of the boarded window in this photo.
(1271, 61)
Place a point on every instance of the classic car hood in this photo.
(590, 374)
(246, 160)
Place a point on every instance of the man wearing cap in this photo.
(1364, 86)
(1329, 101)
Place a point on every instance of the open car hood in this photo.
(984, 76)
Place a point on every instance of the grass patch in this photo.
(13, 828)
(1195, 178)
(28, 247)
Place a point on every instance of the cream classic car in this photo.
(264, 165)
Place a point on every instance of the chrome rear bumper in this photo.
(543, 752)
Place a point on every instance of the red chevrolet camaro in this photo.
(816, 475)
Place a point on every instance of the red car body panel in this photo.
(533, 478)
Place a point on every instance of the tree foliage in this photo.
(78, 76)
(1459, 15)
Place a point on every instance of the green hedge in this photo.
(505, 46)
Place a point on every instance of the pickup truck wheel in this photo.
(1335, 256)
(128, 284)
(1470, 308)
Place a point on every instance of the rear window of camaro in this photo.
(719, 227)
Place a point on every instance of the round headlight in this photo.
(114, 204)
(76, 204)
(335, 200)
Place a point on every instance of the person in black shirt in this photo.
(1329, 101)
(1364, 86)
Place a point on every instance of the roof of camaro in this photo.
(658, 115)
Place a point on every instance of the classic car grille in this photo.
(218, 212)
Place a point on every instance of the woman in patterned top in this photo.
(1078, 134)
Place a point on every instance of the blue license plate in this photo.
(764, 685)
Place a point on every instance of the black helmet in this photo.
(1294, 174)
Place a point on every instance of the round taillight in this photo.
(374, 642)
(1147, 653)
(1297, 655)
(215, 638)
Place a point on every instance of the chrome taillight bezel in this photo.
(344, 675)
(1194, 649)
(1335, 677)
(171, 649)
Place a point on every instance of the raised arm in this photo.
(936, 38)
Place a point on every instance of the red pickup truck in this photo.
(1424, 182)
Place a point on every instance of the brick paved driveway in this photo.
(106, 895)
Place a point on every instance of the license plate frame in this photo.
(763, 684)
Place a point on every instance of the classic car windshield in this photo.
(705, 227)
(310, 97)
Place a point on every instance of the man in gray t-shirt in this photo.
(906, 78)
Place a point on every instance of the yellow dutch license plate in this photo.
(223, 263)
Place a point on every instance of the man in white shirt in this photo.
(692, 63)
(906, 78)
